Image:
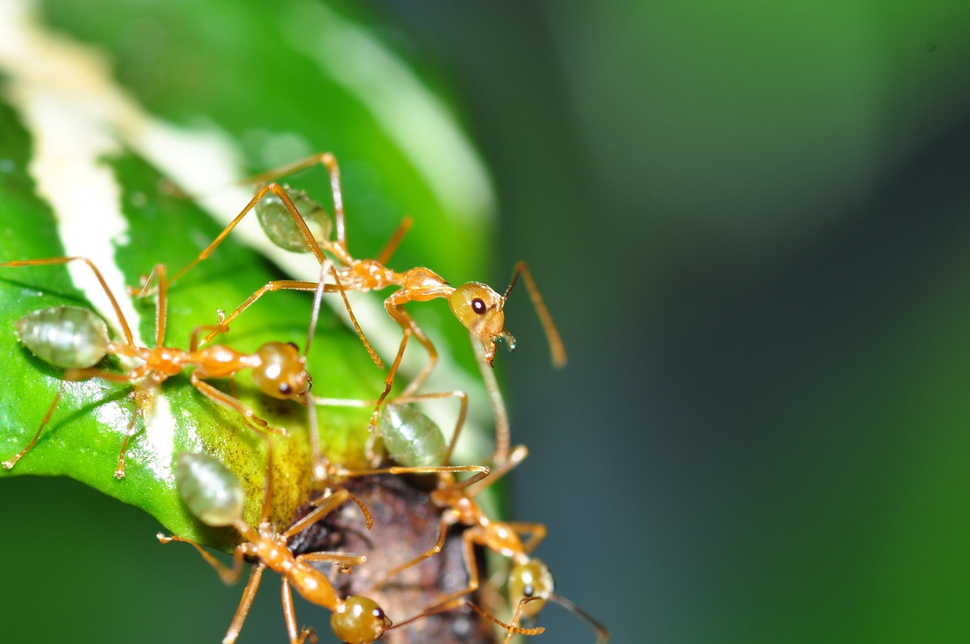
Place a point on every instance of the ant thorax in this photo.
(366, 275)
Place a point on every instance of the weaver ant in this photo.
(214, 495)
(530, 584)
(477, 306)
(77, 339)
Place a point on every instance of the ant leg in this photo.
(503, 434)
(307, 634)
(536, 532)
(325, 267)
(278, 285)
(454, 599)
(602, 634)
(385, 255)
(247, 600)
(327, 505)
(443, 526)
(340, 229)
(294, 213)
(299, 285)
(353, 319)
(409, 326)
(8, 464)
(481, 471)
(321, 464)
(140, 396)
(161, 302)
(228, 576)
(289, 613)
(84, 374)
(489, 596)
(345, 561)
(425, 342)
(216, 396)
(511, 628)
(215, 329)
(518, 455)
(389, 380)
(368, 519)
(556, 347)
(329, 161)
(328, 267)
(286, 170)
(87, 374)
(64, 260)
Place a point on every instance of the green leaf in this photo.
(265, 91)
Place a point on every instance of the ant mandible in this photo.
(77, 339)
(477, 306)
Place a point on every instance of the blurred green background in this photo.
(751, 222)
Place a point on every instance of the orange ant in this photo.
(530, 584)
(214, 495)
(77, 340)
(477, 306)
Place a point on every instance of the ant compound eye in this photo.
(529, 590)
(293, 345)
(285, 389)
(478, 305)
(309, 382)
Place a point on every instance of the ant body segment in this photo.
(477, 306)
(77, 340)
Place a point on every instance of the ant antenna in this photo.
(511, 628)
(556, 347)
(603, 635)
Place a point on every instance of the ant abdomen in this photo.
(210, 491)
(410, 437)
(65, 336)
(278, 224)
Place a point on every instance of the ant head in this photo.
(282, 371)
(359, 620)
(479, 308)
(531, 580)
